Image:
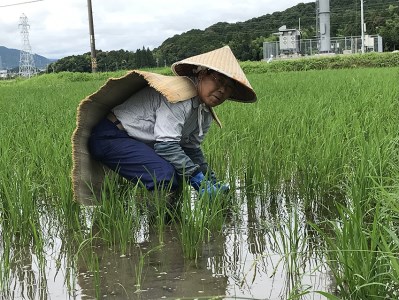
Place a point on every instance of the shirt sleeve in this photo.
(169, 122)
(197, 156)
(173, 153)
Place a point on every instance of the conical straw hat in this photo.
(88, 174)
(223, 61)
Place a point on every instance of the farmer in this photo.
(156, 141)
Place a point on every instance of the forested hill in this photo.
(246, 38)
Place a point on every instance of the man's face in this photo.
(214, 88)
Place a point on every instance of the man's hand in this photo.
(204, 186)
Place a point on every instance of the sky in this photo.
(60, 28)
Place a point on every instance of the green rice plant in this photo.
(19, 202)
(390, 251)
(306, 135)
(160, 205)
(139, 271)
(6, 255)
(358, 252)
(86, 257)
(191, 224)
(34, 176)
(156, 210)
(96, 277)
(92, 262)
(330, 142)
(140, 266)
(116, 218)
(292, 242)
(200, 216)
(389, 237)
(355, 257)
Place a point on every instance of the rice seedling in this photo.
(117, 217)
(362, 262)
(200, 217)
(359, 267)
(161, 205)
(192, 224)
(140, 266)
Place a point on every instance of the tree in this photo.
(390, 30)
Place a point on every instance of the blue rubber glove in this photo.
(223, 187)
(200, 184)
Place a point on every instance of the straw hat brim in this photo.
(241, 93)
(221, 60)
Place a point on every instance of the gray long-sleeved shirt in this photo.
(173, 129)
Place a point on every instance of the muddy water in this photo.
(257, 255)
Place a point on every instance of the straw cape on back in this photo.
(88, 174)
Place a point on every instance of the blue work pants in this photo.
(130, 158)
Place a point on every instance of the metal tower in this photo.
(26, 62)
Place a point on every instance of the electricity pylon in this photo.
(26, 61)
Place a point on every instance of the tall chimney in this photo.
(324, 17)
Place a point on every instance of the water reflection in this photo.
(165, 273)
(29, 266)
(267, 249)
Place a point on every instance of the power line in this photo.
(14, 4)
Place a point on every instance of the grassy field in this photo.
(315, 161)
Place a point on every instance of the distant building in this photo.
(289, 40)
(338, 45)
(3, 73)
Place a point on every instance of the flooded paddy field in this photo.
(312, 213)
(246, 259)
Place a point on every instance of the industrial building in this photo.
(290, 44)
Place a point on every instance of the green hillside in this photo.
(246, 38)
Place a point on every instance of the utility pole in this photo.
(92, 41)
(362, 21)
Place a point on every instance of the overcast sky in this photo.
(60, 28)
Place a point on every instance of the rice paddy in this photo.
(313, 210)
